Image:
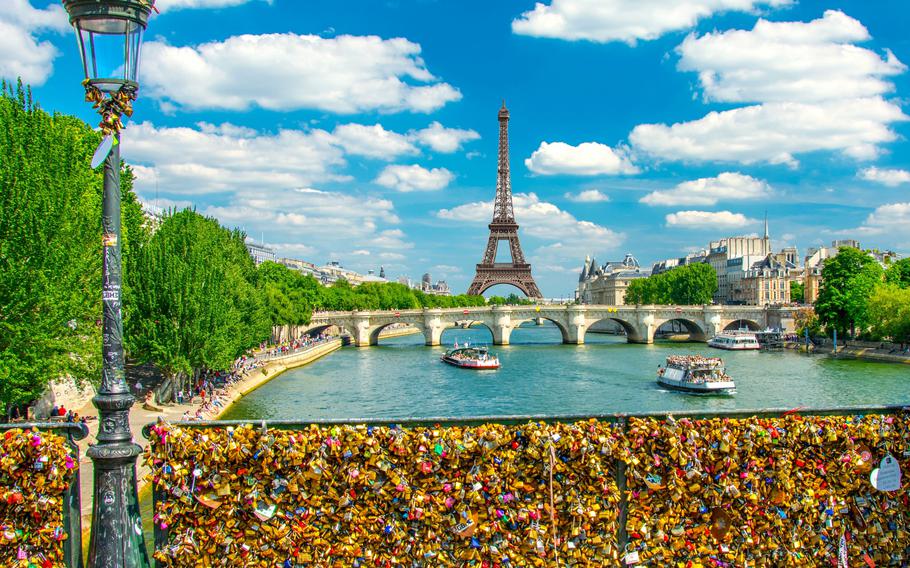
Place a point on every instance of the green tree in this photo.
(50, 247)
(797, 292)
(889, 312)
(848, 281)
(198, 304)
(806, 318)
(690, 285)
(290, 297)
(899, 273)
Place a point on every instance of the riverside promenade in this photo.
(140, 415)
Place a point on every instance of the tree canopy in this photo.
(50, 247)
(848, 280)
(889, 312)
(898, 273)
(197, 302)
(689, 285)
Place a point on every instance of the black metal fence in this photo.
(620, 419)
(72, 500)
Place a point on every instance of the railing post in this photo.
(72, 506)
(72, 497)
(622, 536)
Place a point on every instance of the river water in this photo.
(402, 378)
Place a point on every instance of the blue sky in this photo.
(366, 132)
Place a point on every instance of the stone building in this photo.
(260, 252)
(765, 281)
(606, 284)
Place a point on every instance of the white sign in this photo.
(887, 476)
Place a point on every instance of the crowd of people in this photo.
(210, 390)
(61, 413)
(267, 352)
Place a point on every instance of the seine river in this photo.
(402, 378)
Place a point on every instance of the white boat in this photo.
(735, 341)
(696, 374)
(471, 358)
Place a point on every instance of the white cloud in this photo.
(309, 221)
(228, 158)
(892, 220)
(586, 159)
(588, 196)
(294, 250)
(23, 55)
(345, 74)
(565, 235)
(817, 91)
(393, 239)
(891, 178)
(728, 186)
(708, 220)
(442, 139)
(774, 132)
(168, 5)
(414, 178)
(789, 61)
(372, 141)
(623, 20)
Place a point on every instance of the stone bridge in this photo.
(639, 322)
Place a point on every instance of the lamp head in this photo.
(109, 35)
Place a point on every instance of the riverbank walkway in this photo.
(265, 369)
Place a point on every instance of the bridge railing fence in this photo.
(71, 505)
(620, 472)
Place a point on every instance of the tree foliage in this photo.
(341, 296)
(898, 273)
(50, 247)
(848, 280)
(289, 296)
(689, 285)
(512, 300)
(797, 292)
(197, 302)
(889, 312)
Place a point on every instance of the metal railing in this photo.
(621, 419)
(72, 499)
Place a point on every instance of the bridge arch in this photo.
(454, 329)
(562, 328)
(316, 330)
(377, 330)
(743, 323)
(632, 333)
(696, 329)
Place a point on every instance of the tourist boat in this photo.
(735, 341)
(471, 358)
(696, 374)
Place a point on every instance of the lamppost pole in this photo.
(109, 33)
(117, 539)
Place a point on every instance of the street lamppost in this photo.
(109, 34)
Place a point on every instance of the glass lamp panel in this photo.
(110, 51)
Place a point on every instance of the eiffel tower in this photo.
(504, 228)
